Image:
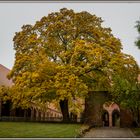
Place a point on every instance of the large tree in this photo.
(63, 57)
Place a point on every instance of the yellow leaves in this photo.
(5, 93)
(68, 85)
(34, 76)
(82, 46)
(64, 55)
(76, 105)
(112, 44)
(125, 67)
(32, 39)
(88, 54)
(122, 62)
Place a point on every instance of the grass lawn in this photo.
(136, 131)
(38, 130)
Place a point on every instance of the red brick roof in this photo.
(3, 76)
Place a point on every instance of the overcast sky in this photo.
(120, 17)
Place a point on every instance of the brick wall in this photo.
(3, 76)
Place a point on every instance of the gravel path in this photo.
(109, 133)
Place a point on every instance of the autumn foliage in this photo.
(63, 57)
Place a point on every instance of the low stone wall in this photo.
(84, 128)
(24, 119)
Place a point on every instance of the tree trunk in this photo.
(64, 110)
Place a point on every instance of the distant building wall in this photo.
(3, 76)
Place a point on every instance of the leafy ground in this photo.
(38, 130)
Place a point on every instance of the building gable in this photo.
(3, 76)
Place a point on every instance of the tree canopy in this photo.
(64, 56)
(138, 29)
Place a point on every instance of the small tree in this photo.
(138, 39)
(125, 89)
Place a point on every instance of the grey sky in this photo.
(120, 17)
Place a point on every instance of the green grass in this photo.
(136, 131)
(38, 130)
